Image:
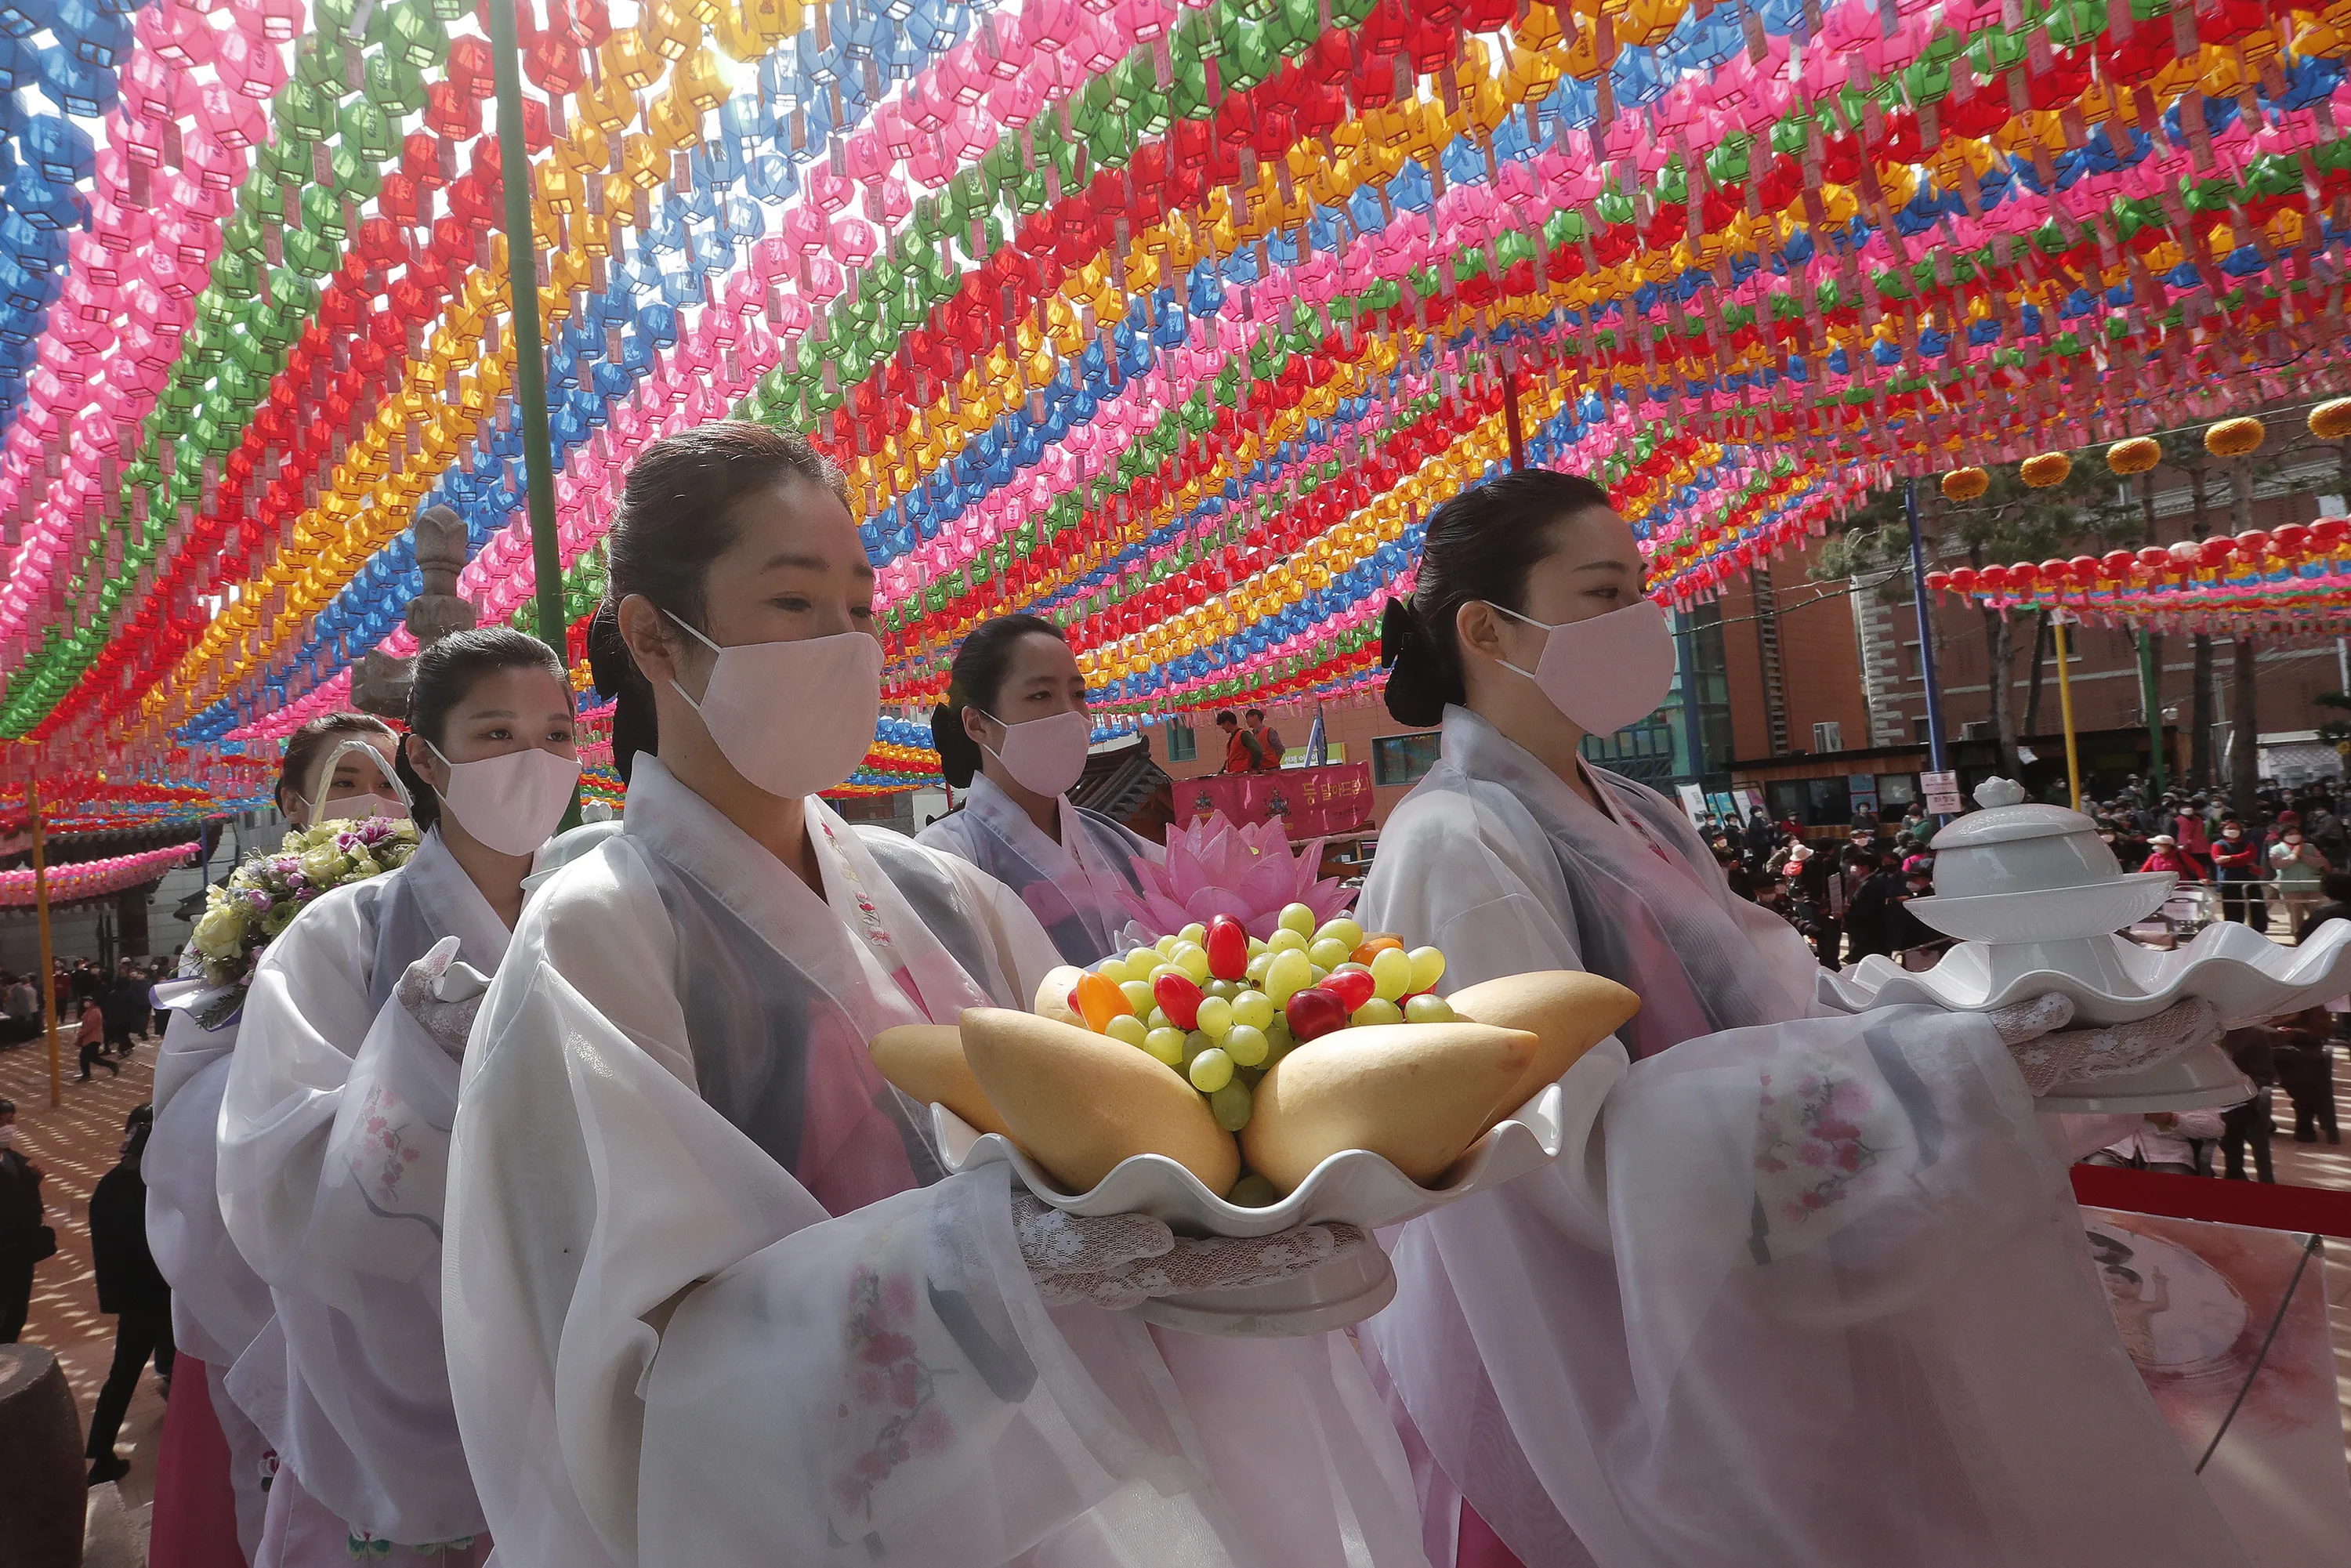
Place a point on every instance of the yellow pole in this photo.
(48, 955)
(2065, 706)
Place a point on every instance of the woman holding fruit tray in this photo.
(1013, 731)
(1812, 1289)
(709, 1298)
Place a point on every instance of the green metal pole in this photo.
(2150, 699)
(530, 362)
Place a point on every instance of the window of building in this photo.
(1897, 789)
(1403, 758)
(1183, 745)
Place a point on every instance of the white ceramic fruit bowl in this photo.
(2244, 974)
(2047, 915)
(1354, 1186)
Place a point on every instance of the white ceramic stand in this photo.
(2195, 1080)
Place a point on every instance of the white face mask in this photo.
(1045, 755)
(1605, 672)
(511, 802)
(792, 717)
(357, 808)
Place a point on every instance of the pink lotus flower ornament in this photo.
(1248, 872)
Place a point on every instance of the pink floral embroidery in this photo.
(889, 1380)
(394, 1153)
(1808, 1144)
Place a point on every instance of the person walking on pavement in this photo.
(131, 1289)
(25, 1239)
(90, 1042)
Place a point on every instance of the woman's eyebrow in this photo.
(1614, 566)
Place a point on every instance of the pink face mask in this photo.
(1607, 670)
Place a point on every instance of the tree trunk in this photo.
(2041, 636)
(2244, 749)
(2003, 712)
(2199, 715)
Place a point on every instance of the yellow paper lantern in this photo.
(2239, 437)
(2048, 469)
(2332, 421)
(2135, 455)
(1965, 484)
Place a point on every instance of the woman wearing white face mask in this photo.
(1013, 732)
(339, 764)
(1810, 1291)
(709, 1299)
(334, 1129)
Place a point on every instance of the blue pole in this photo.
(1925, 630)
(1693, 735)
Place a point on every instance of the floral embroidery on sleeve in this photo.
(892, 1410)
(1809, 1142)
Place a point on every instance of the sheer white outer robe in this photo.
(1071, 886)
(1814, 1292)
(709, 1302)
(334, 1148)
(218, 1303)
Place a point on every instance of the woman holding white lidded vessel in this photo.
(1013, 731)
(709, 1299)
(341, 1094)
(1812, 1290)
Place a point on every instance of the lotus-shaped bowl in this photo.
(1354, 1186)
(2048, 914)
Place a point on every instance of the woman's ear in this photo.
(423, 762)
(1478, 628)
(974, 724)
(642, 628)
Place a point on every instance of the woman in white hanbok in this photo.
(709, 1299)
(334, 1131)
(336, 766)
(1812, 1291)
(1013, 732)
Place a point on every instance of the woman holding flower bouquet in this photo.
(1013, 731)
(710, 1298)
(335, 1125)
(1811, 1290)
(211, 1489)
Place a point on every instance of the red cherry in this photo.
(1314, 1012)
(1228, 945)
(1179, 998)
(1353, 987)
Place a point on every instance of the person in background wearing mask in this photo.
(129, 1287)
(2193, 830)
(1013, 731)
(2236, 866)
(1268, 740)
(2298, 867)
(1633, 1357)
(2163, 855)
(334, 1129)
(213, 1463)
(26, 1237)
(713, 1299)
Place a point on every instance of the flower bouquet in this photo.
(243, 914)
(1263, 1062)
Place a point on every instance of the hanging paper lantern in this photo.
(1965, 484)
(2047, 470)
(2137, 454)
(2234, 438)
(2331, 421)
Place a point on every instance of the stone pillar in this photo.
(43, 1505)
(379, 683)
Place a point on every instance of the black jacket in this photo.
(20, 1207)
(128, 1279)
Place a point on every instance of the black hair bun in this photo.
(958, 753)
(1413, 693)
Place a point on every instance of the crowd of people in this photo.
(105, 1012)
(2283, 867)
(1847, 899)
(543, 1189)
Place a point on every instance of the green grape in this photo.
(1391, 973)
(1259, 966)
(1379, 1009)
(1328, 951)
(1127, 1030)
(1228, 989)
(1230, 1104)
(1166, 946)
(1192, 958)
(1138, 996)
(1297, 918)
(1114, 970)
(1427, 968)
(1195, 934)
(1166, 1044)
(1253, 1191)
(1140, 962)
(1157, 1019)
(1288, 974)
(1256, 946)
(1246, 1044)
(1254, 1008)
(1194, 1044)
(1343, 931)
(1428, 1009)
(1210, 1071)
(1284, 939)
(1161, 971)
(1216, 1017)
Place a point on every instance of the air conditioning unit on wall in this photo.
(1828, 735)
